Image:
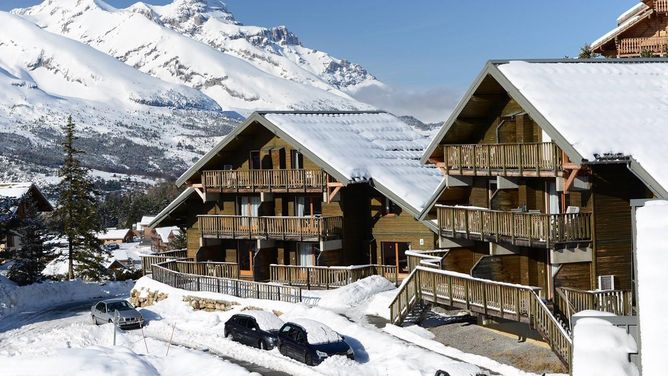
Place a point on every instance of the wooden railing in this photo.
(509, 301)
(529, 229)
(208, 268)
(328, 276)
(156, 258)
(661, 6)
(572, 301)
(168, 273)
(281, 228)
(432, 259)
(264, 180)
(635, 46)
(530, 159)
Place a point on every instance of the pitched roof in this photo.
(353, 147)
(171, 207)
(113, 234)
(19, 190)
(590, 108)
(625, 21)
(164, 232)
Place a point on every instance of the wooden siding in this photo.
(461, 260)
(576, 275)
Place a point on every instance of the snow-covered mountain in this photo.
(151, 87)
(200, 44)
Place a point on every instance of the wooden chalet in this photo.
(307, 188)
(116, 236)
(541, 160)
(16, 196)
(640, 31)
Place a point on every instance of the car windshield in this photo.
(119, 306)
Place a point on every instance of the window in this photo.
(286, 329)
(255, 160)
(394, 253)
(100, 307)
(306, 206)
(296, 159)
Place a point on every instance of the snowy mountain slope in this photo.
(129, 122)
(139, 37)
(66, 68)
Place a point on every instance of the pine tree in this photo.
(77, 213)
(180, 241)
(30, 258)
(587, 53)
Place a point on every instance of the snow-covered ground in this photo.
(125, 253)
(64, 339)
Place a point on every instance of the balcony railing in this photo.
(264, 180)
(636, 46)
(534, 159)
(278, 228)
(518, 228)
(661, 6)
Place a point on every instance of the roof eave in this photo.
(171, 207)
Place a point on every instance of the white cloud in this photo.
(429, 105)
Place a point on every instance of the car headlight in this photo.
(321, 354)
(350, 351)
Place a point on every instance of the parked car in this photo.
(106, 311)
(311, 342)
(112, 246)
(441, 373)
(254, 328)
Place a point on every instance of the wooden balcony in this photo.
(534, 159)
(517, 228)
(277, 228)
(636, 46)
(661, 6)
(264, 180)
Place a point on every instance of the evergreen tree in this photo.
(77, 213)
(587, 53)
(180, 241)
(8, 220)
(30, 258)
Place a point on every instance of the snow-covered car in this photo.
(254, 328)
(110, 309)
(311, 342)
(112, 247)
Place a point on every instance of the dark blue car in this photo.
(254, 328)
(311, 342)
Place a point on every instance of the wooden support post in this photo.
(450, 289)
(445, 160)
(433, 283)
(466, 293)
(517, 304)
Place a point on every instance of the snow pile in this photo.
(596, 106)
(600, 348)
(267, 321)
(652, 258)
(15, 299)
(345, 297)
(317, 333)
(367, 146)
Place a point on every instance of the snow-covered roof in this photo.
(602, 107)
(164, 232)
(14, 190)
(317, 332)
(651, 260)
(113, 234)
(590, 108)
(353, 147)
(265, 320)
(627, 19)
(146, 220)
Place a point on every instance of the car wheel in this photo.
(307, 359)
(280, 349)
(109, 321)
(261, 345)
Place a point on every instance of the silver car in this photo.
(111, 310)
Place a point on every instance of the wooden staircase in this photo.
(491, 298)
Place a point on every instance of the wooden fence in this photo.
(271, 227)
(296, 180)
(156, 258)
(168, 273)
(570, 301)
(432, 259)
(529, 159)
(498, 299)
(635, 46)
(530, 229)
(328, 276)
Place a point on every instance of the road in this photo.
(61, 317)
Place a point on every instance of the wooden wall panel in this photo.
(576, 275)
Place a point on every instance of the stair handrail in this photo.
(403, 290)
(551, 329)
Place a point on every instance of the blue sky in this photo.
(429, 48)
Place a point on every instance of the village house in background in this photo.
(641, 31)
(308, 188)
(20, 195)
(143, 231)
(162, 237)
(116, 236)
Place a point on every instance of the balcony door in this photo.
(394, 254)
(307, 254)
(255, 163)
(249, 206)
(245, 253)
(296, 160)
(307, 206)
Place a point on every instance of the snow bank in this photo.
(602, 349)
(652, 258)
(355, 293)
(316, 332)
(15, 299)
